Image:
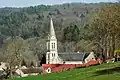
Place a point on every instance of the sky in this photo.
(26, 3)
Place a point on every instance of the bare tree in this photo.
(13, 54)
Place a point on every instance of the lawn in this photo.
(110, 71)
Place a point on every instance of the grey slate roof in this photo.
(32, 70)
(73, 56)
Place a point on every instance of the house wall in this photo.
(69, 62)
(90, 57)
(73, 62)
(19, 72)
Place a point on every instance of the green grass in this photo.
(109, 71)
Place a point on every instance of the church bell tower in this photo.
(52, 54)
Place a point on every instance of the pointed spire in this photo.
(52, 31)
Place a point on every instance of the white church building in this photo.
(54, 57)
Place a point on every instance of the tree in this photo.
(105, 28)
(38, 48)
(23, 63)
(14, 48)
(43, 60)
(71, 33)
(31, 64)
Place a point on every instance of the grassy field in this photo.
(110, 71)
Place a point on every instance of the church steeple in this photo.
(52, 41)
(52, 31)
(52, 54)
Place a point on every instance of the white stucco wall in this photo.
(47, 60)
(73, 62)
(90, 57)
(69, 62)
(19, 71)
(53, 58)
(53, 45)
(52, 55)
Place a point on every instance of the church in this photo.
(55, 57)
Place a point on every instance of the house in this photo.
(75, 58)
(3, 66)
(55, 57)
(3, 74)
(29, 71)
(23, 71)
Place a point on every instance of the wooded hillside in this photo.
(25, 30)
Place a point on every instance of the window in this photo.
(54, 45)
(52, 55)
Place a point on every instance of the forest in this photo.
(78, 26)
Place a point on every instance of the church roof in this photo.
(73, 56)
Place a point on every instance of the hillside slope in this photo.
(33, 21)
(109, 71)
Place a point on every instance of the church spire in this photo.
(52, 54)
(52, 31)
